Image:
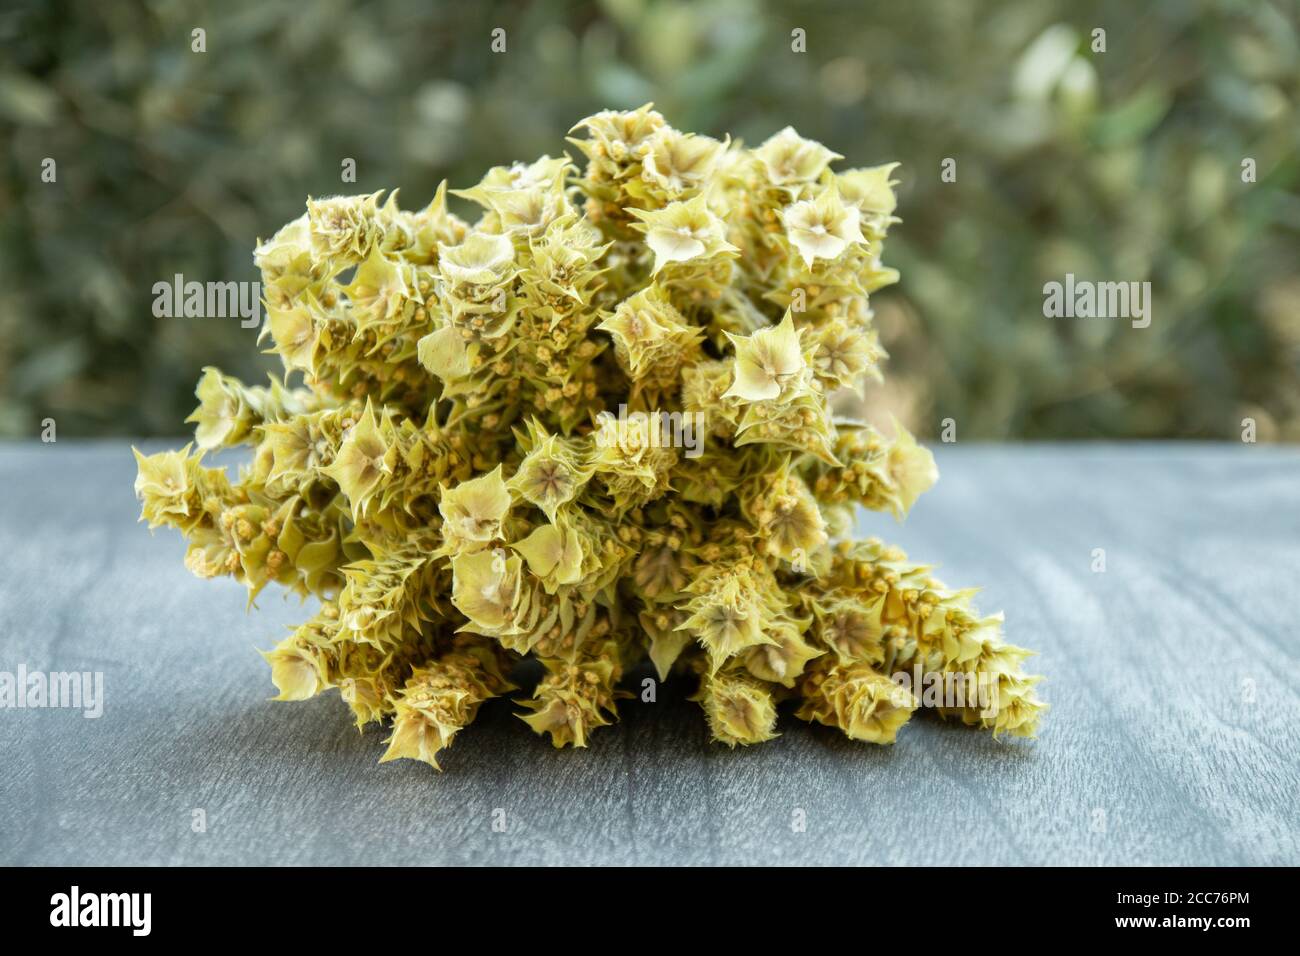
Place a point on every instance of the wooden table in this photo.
(1173, 678)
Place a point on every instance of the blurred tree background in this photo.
(1122, 165)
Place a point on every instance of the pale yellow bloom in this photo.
(482, 259)
(683, 231)
(822, 228)
(472, 511)
(911, 468)
(767, 362)
(870, 190)
(789, 159)
(680, 162)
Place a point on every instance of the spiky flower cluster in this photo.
(479, 466)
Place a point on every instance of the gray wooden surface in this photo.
(1172, 737)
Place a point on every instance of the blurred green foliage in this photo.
(1122, 165)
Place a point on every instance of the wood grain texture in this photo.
(1150, 670)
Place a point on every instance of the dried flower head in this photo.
(769, 363)
(789, 159)
(822, 228)
(680, 163)
(344, 229)
(683, 232)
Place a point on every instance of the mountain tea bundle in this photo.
(592, 427)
